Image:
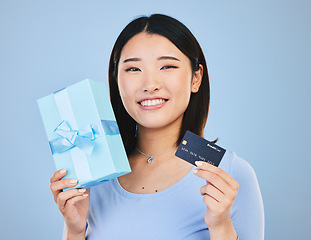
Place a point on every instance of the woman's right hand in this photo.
(74, 204)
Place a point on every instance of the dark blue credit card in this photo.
(194, 148)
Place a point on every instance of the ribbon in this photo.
(82, 139)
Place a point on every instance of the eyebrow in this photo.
(159, 58)
(132, 60)
(168, 58)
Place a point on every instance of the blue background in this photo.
(258, 54)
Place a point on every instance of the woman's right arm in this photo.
(74, 204)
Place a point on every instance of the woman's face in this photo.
(155, 80)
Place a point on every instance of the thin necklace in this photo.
(150, 158)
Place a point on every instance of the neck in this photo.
(154, 141)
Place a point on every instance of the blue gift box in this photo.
(83, 134)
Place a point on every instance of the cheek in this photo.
(182, 92)
(184, 99)
(182, 87)
(126, 91)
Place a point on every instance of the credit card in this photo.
(195, 148)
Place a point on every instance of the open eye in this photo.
(168, 67)
(132, 69)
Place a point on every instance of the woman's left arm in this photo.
(219, 194)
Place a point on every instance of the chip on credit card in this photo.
(195, 148)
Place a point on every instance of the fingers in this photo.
(58, 175)
(58, 185)
(220, 187)
(216, 175)
(64, 183)
(213, 179)
(211, 203)
(211, 191)
(70, 197)
(211, 168)
(219, 193)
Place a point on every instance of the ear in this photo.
(197, 79)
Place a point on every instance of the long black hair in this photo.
(195, 116)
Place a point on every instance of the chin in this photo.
(151, 124)
(161, 123)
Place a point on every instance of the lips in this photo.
(152, 102)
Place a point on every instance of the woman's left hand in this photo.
(219, 194)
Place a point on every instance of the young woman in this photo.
(159, 89)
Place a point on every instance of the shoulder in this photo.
(243, 173)
(249, 193)
(237, 167)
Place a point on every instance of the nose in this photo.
(151, 89)
(152, 83)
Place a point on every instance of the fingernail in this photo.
(194, 171)
(198, 163)
(82, 190)
(85, 195)
(73, 181)
(62, 171)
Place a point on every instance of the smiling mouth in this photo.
(154, 102)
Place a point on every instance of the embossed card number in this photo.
(194, 148)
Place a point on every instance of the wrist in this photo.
(75, 236)
(224, 231)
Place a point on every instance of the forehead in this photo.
(146, 45)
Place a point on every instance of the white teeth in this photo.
(152, 102)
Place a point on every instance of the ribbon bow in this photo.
(69, 138)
